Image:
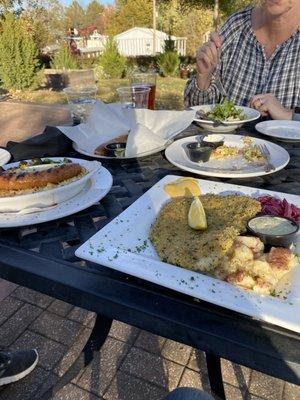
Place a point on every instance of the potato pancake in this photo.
(178, 244)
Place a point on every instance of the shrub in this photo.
(63, 59)
(19, 62)
(168, 63)
(112, 63)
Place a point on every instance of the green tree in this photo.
(111, 62)
(19, 63)
(63, 59)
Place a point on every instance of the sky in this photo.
(85, 2)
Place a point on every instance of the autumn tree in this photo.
(75, 16)
(47, 18)
(93, 14)
(133, 13)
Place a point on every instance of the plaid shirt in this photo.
(245, 71)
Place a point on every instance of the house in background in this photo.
(139, 42)
(131, 43)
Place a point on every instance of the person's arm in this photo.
(194, 96)
(268, 105)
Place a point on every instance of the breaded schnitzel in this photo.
(178, 244)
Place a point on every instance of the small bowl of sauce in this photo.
(274, 230)
(197, 152)
(115, 149)
(213, 140)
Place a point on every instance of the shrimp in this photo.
(253, 243)
(281, 260)
(241, 278)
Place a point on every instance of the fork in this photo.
(220, 86)
(266, 154)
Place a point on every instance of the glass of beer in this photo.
(148, 79)
(134, 96)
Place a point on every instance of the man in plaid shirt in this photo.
(256, 57)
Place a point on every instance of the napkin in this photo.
(147, 130)
(50, 143)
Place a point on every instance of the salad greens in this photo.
(226, 111)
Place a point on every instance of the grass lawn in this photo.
(169, 93)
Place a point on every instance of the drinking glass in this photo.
(148, 79)
(134, 97)
(81, 101)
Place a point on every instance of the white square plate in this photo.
(123, 245)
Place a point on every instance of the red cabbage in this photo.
(275, 206)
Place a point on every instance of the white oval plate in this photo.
(227, 168)
(147, 153)
(229, 126)
(94, 190)
(4, 157)
(49, 197)
(286, 131)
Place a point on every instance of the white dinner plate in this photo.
(4, 156)
(146, 153)
(123, 244)
(95, 189)
(286, 131)
(231, 167)
(227, 126)
(49, 196)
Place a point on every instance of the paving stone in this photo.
(265, 386)
(177, 352)
(73, 352)
(150, 342)
(82, 316)
(57, 328)
(60, 308)
(6, 288)
(123, 332)
(235, 374)
(8, 307)
(15, 325)
(291, 392)
(50, 352)
(33, 297)
(194, 379)
(152, 368)
(72, 392)
(26, 388)
(97, 376)
(127, 387)
(197, 361)
(234, 393)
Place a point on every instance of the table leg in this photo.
(91, 349)
(215, 376)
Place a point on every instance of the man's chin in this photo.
(276, 8)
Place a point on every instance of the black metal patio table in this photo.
(42, 258)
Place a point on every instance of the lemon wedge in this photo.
(187, 187)
(196, 216)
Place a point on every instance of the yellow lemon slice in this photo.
(187, 187)
(196, 216)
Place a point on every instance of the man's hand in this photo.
(207, 58)
(267, 104)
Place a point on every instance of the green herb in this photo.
(226, 111)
